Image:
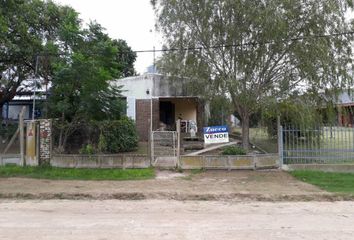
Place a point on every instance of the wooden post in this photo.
(178, 128)
(22, 136)
(12, 140)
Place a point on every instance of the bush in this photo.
(118, 136)
(233, 150)
(88, 149)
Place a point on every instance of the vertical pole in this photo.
(280, 142)
(149, 147)
(22, 136)
(34, 88)
(37, 142)
(178, 128)
(152, 147)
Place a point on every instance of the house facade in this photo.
(345, 109)
(163, 100)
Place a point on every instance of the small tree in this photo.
(81, 90)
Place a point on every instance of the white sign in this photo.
(216, 134)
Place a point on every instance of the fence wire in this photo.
(318, 145)
(164, 143)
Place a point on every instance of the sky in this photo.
(130, 20)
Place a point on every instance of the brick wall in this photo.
(143, 117)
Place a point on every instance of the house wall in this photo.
(345, 116)
(139, 87)
(143, 109)
(151, 85)
(186, 107)
(14, 111)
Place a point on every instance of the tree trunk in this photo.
(245, 130)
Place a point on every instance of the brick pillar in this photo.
(143, 109)
(45, 141)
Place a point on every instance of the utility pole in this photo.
(35, 87)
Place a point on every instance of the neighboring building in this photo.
(24, 98)
(345, 109)
(168, 100)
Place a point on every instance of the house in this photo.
(164, 100)
(24, 98)
(345, 108)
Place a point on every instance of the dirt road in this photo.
(209, 185)
(169, 219)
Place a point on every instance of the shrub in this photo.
(233, 150)
(87, 149)
(118, 136)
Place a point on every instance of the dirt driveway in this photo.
(169, 219)
(210, 185)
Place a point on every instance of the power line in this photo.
(244, 44)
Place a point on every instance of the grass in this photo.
(192, 173)
(259, 137)
(329, 181)
(76, 174)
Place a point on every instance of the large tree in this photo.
(256, 50)
(29, 30)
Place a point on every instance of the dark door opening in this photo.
(167, 113)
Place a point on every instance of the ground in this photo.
(169, 219)
(270, 185)
(190, 205)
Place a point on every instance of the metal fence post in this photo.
(178, 128)
(280, 146)
(152, 147)
(22, 136)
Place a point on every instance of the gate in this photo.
(164, 148)
(317, 145)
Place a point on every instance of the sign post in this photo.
(216, 134)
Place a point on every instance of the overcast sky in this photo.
(130, 20)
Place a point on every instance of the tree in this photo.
(81, 91)
(257, 50)
(29, 29)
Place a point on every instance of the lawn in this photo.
(76, 174)
(260, 138)
(329, 181)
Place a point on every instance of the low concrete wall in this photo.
(10, 159)
(349, 168)
(258, 161)
(100, 161)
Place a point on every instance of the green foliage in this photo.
(7, 131)
(87, 149)
(76, 174)
(220, 109)
(119, 135)
(329, 181)
(30, 28)
(256, 58)
(233, 150)
(81, 84)
(298, 112)
(102, 143)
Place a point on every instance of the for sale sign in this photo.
(216, 134)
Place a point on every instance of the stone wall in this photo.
(45, 141)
